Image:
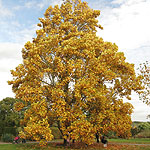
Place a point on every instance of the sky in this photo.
(125, 22)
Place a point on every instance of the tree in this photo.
(135, 130)
(144, 94)
(71, 76)
(140, 128)
(144, 126)
(9, 118)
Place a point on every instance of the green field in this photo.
(136, 140)
(114, 144)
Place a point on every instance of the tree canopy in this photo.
(71, 76)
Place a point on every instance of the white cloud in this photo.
(118, 1)
(128, 2)
(4, 12)
(23, 35)
(30, 4)
(127, 25)
(26, 34)
(138, 56)
(42, 4)
(10, 57)
(10, 50)
(17, 7)
(6, 91)
(141, 110)
(8, 64)
(38, 5)
(57, 2)
(47, 3)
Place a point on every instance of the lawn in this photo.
(7, 147)
(56, 145)
(136, 140)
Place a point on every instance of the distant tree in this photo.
(144, 126)
(72, 76)
(140, 128)
(8, 116)
(145, 78)
(134, 131)
(144, 94)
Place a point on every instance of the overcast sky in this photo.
(125, 22)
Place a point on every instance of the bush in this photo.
(7, 137)
(1, 131)
(10, 130)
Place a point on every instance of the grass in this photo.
(57, 145)
(136, 140)
(7, 147)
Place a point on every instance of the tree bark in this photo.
(65, 142)
(73, 141)
(97, 137)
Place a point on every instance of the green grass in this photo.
(136, 140)
(7, 147)
(132, 140)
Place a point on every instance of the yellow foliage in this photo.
(82, 130)
(18, 106)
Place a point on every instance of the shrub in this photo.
(7, 137)
(1, 131)
(10, 130)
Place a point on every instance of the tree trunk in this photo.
(97, 137)
(65, 142)
(73, 141)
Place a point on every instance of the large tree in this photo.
(71, 76)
